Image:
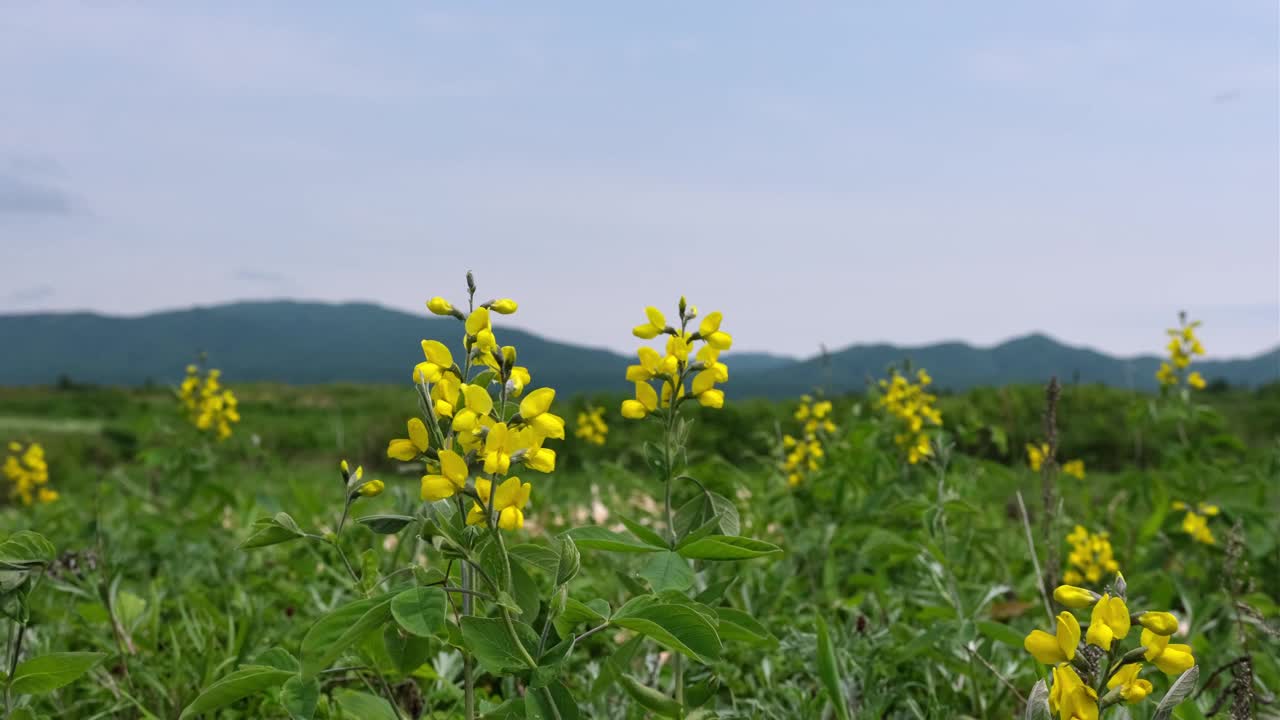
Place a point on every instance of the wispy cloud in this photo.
(263, 278)
(23, 197)
(28, 295)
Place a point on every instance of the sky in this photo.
(823, 173)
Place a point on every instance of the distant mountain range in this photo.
(306, 342)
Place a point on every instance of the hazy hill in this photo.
(299, 342)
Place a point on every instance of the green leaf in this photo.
(242, 683)
(645, 533)
(525, 590)
(385, 524)
(340, 629)
(487, 639)
(675, 627)
(650, 699)
(407, 652)
(539, 703)
(1000, 633)
(594, 537)
(737, 625)
(667, 571)
(363, 706)
(279, 658)
(272, 531)
(420, 610)
(728, 547)
(538, 556)
(828, 671)
(1180, 690)
(1038, 703)
(25, 549)
(570, 560)
(299, 696)
(49, 672)
(576, 613)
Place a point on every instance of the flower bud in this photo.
(373, 488)
(1075, 597)
(439, 306)
(505, 306)
(1160, 623)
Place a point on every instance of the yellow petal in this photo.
(536, 403)
(711, 399)
(1068, 634)
(402, 449)
(656, 317)
(477, 321)
(436, 352)
(437, 487)
(647, 396)
(505, 306)
(1074, 597)
(454, 468)
(478, 399)
(710, 324)
(418, 434)
(1044, 647)
(1160, 623)
(633, 409)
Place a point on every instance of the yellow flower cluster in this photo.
(674, 368)
(1070, 696)
(1183, 346)
(805, 453)
(911, 406)
(1036, 455)
(1196, 522)
(1090, 557)
(591, 426)
(28, 474)
(477, 437)
(209, 406)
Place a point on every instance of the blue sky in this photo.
(821, 172)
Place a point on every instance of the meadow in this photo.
(470, 545)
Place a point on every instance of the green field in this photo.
(921, 574)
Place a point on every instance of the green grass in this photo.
(922, 575)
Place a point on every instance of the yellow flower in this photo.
(498, 446)
(439, 306)
(535, 410)
(28, 473)
(452, 477)
(1160, 623)
(1172, 659)
(1075, 468)
(591, 426)
(1075, 597)
(1090, 557)
(508, 501)
(416, 444)
(540, 459)
(1132, 688)
(373, 488)
(1059, 647)
(1197, 527)
(1109, 622)
(1036, 455)
(505, 306)
(709, 330)
(646, 402)
(650, 366)
(479, 405)
(657, 324)
(1195, 380)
